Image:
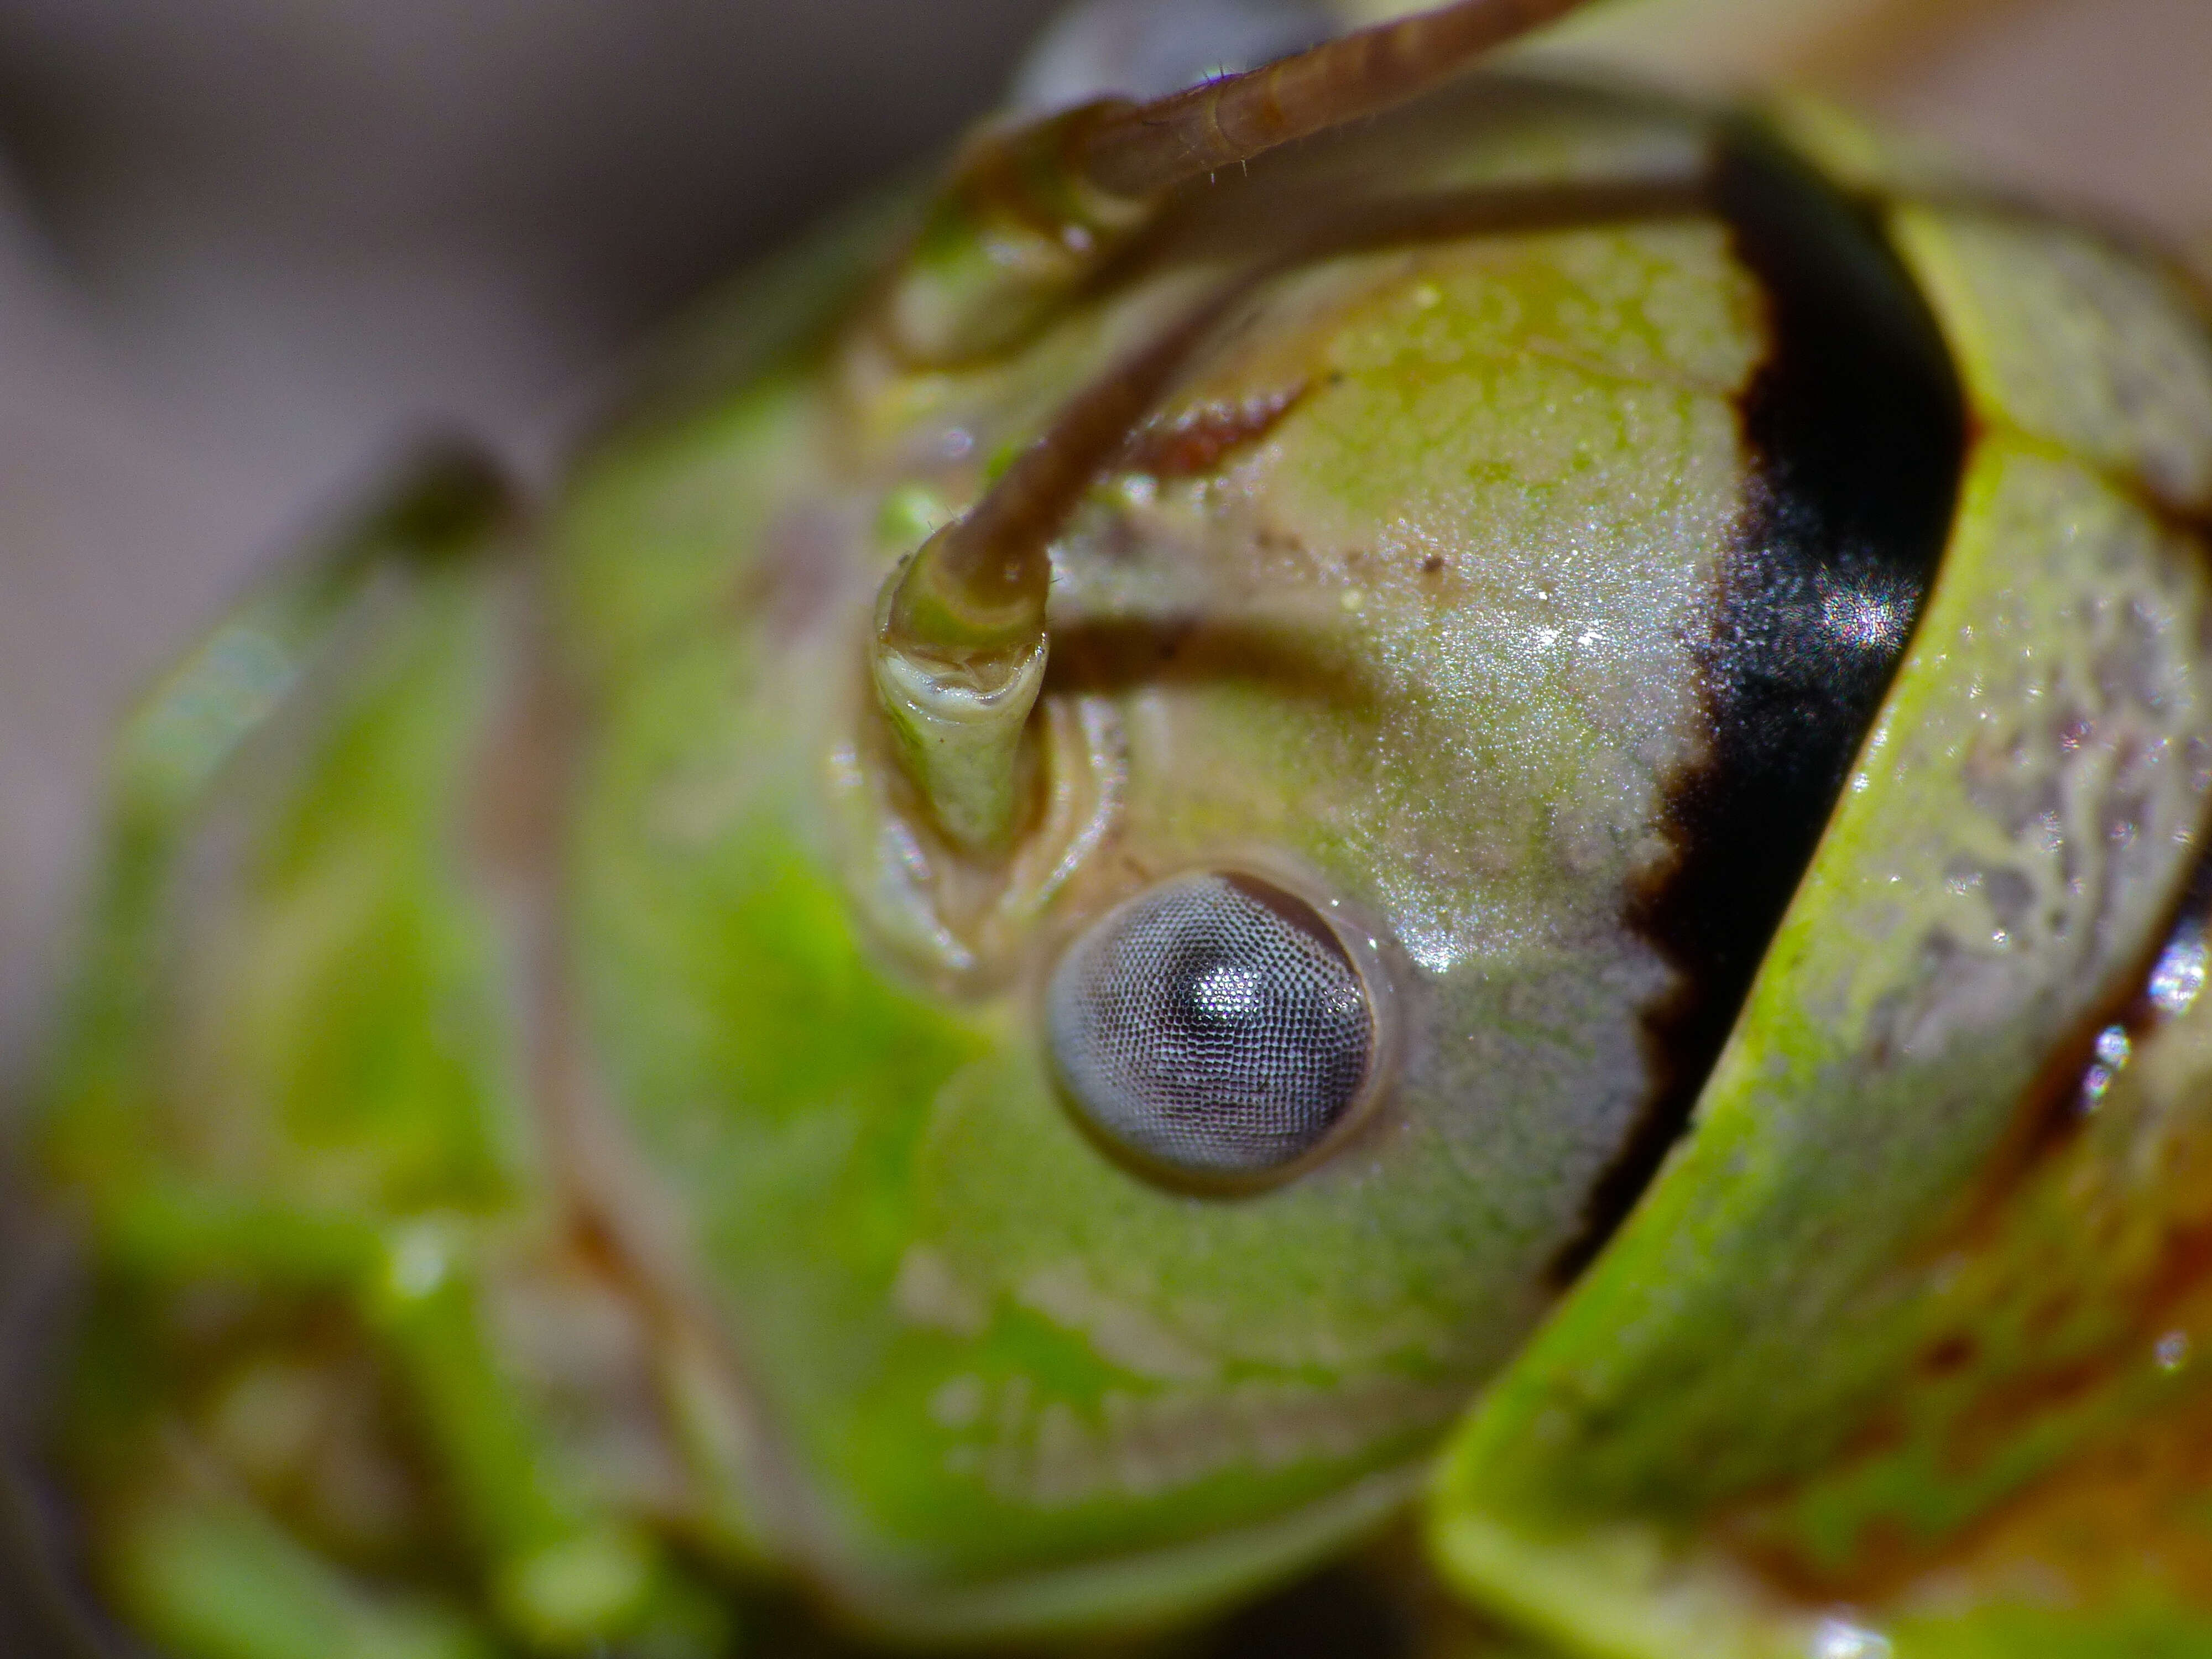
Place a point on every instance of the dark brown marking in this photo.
(1857, 427)
(1198, 441)
(1949, 1355)
(1108, 654)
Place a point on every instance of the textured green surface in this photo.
(293, 1108)
(1429, 632)
(2018, 825)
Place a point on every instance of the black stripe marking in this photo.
(1858, 429)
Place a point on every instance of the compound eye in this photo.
(1215, 1028)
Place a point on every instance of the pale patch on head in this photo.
(1120, 1333)
(959, 1403)
(1439, 928)
(928, 1293)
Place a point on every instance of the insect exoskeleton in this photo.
(1499, 786)
(1226, 1028)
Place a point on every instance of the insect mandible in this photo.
(1450, 820)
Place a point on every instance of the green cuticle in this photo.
(957, 660)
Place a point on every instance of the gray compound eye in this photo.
(1213, 1026)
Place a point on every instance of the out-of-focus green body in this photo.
(561, 1154)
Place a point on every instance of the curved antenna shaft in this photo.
(1032, 212)
(959, 651)
(1149, 148)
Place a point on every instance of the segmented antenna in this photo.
(959, 649)
(1147, 149)
(1031, 212)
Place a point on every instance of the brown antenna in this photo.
(960, 645)
(1148, 148)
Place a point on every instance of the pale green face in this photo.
(1404, 600)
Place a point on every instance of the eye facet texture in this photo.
(1213, 1025)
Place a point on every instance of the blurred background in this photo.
(246, 246)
